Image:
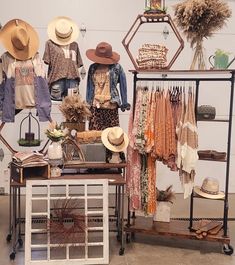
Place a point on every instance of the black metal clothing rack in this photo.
(197, 76)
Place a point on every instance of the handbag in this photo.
(206, 112)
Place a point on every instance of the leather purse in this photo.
(206, 112)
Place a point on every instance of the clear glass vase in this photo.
(198, 62)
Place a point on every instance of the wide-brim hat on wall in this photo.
(62, 30)
(103, 54)
(209, 189)
(115, 139)
(20, 39)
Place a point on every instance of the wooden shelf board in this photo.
(212, 159)
(164, 70)
(175, 228)
(95, 165)
(215, 120)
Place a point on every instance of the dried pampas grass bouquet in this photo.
(200, 19)
(74, 109)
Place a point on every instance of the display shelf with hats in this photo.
(192, 227)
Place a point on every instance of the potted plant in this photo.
(164, 200)
(76, 111)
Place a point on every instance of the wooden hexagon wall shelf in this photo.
(151, 18)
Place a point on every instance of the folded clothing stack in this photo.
(211, 155)
(29, 159)
(152, 56)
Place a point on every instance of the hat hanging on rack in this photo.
(20, 39)
(29, 139)
(62, 30)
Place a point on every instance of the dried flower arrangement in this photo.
(200, 19)
(74, 109)
(65, 224)
(167, 195)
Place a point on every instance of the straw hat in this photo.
(103, 54)
(114, 139)
(62, 30)
(209, 189)
(20, 39)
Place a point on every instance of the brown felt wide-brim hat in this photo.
(6, 38)
(51, 31)
(103, 54)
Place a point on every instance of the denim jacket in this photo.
(7, 96)
(117, 75)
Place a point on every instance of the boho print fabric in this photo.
(162, 128)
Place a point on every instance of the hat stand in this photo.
(115, 158)
(29, 139)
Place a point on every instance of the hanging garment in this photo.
(63, 61)
(187, 146)
(140, 136)
(150, 128)
(102, 97)
(160, 119)
(117, 76)
(103, 118)
(23, 86)
(144, 183)
(133, 169)
(151, 170)
(170, 136)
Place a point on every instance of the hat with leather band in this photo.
(209, 189)
(62, 30)
(20, 39)
(115, 139)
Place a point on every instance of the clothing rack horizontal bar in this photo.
(204, 218)
(181, 79)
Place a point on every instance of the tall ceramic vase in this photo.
(55, 151)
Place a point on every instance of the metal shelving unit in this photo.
(182, 228)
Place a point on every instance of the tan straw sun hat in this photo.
(103, 54)
(20, 39)
(114, 139)
(62, 30)
(209, 189)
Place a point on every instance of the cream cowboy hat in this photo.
(209, 189)
(19, 39)
(62, 30)
(114, 139)
(103, 54)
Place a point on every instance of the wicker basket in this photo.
(79, 127)
(89, 137)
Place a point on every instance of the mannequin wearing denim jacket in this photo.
(117, 75)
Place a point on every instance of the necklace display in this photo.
(100, 79)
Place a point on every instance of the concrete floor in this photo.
(149, 250)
